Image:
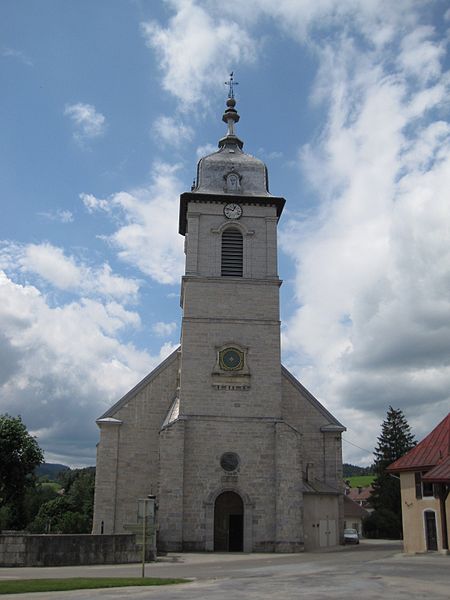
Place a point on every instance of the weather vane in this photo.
(231, 83)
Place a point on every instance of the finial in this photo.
(230, 116)
(231, 83)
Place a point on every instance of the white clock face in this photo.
(232, 211)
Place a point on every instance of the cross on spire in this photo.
(231, 83)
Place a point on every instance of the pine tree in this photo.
(395, 440)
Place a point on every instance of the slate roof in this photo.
(319, 487)
(432, 451)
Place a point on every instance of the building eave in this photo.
(187, 197)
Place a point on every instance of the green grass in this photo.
(27, 586)
(52, 485)
(360, 480)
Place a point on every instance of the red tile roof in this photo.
(360, 494)
(353, 509)
(433, 450)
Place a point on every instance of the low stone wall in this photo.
(28, 550)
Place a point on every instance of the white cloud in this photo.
(421, 55)
(166, 349)
(19, 55)
(92, 203)
(66, 273)
(148, 241)
(60, 215)
(197, 50)
(172, 131)
(370, 326)
(373, 265)
(67, 362)
(164, 329)
(88, 122)
(205, 150)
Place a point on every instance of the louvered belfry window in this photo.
(232, 253)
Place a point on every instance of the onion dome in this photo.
(230, 170)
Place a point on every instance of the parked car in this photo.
(351, 536)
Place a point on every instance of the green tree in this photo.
(72, 511)
(395, 440)
(20, 454)
(36, 496)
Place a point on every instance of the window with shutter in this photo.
(232, 253)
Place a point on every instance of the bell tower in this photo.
(230, 291)
(229, 397)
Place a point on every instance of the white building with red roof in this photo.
(425, 484)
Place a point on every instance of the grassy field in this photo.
(52, 485)
(360, 480)
(27, 586)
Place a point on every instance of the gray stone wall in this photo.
(254, 480)
(201, 338)
(20, 550)
(128, 453)
(205, 226)
(322, 451)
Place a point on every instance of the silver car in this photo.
(351, 536)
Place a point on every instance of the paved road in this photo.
(372, 571)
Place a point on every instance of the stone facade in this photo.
(169, 435)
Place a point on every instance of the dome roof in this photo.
(230, 169)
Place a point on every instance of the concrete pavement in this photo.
(372, 570)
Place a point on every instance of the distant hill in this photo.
(51, 470)
(353, 470)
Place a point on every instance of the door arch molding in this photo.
(209, 504)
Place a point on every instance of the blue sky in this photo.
(106, 107)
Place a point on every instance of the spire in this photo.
(230, 116)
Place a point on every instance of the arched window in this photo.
(232, 253)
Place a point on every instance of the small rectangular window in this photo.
(427, 488)
(418, 482)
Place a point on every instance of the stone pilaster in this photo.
(289, 497)
(170, 496)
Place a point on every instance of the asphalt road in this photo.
(372, 570)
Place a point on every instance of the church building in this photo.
(240, 456)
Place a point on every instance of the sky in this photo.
(106, 107)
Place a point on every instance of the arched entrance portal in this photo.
(229, 523)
